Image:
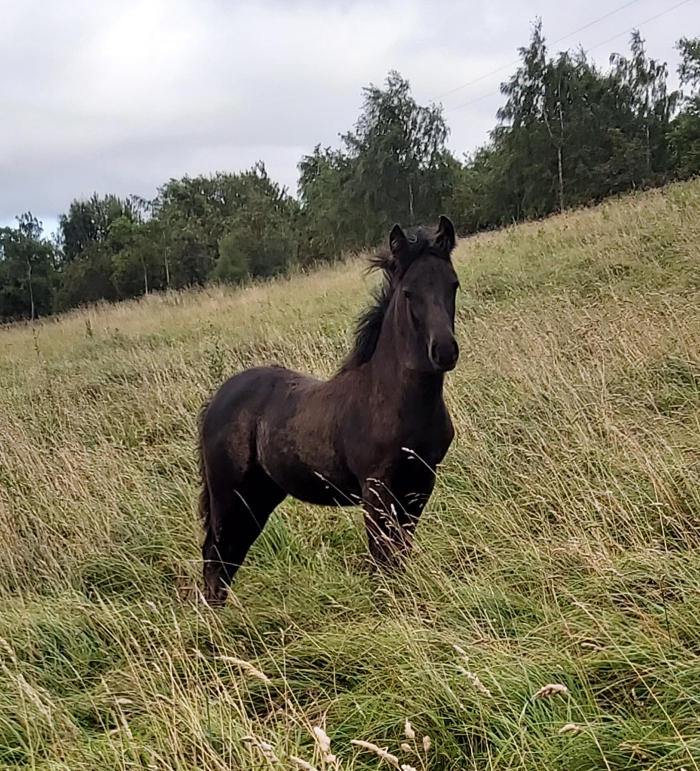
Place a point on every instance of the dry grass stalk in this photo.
(324, 744)
(408, 730)
(570, 728)
(299, 763)
(552, 689)
(379, 751)
(265, 748)
(475, 681)
(246, 666)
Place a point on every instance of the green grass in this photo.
(561, 545)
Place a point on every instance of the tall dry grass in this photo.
(559, 550)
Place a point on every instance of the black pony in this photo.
(372, 435)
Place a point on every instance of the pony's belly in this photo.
(318, 489)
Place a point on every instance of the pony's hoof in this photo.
(215, 599)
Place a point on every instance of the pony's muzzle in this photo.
(444, 354)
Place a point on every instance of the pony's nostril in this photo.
(434, 353)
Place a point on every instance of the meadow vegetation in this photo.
(560, 546)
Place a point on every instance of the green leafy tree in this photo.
(88, 251)
(330, 223)
(396, 144)
(645, 84)
(88, 221)
(27, 270)
(525, 135)
(87, 278)
(232, 267)
(570, 134)
(685, 132)
(393, 167)
(137, 264)
(263, 220)
(198, 214)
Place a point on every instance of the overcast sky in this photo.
(118, 96)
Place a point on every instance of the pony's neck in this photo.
(390, 369)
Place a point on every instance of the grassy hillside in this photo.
(561, 545)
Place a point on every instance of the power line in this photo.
(668, 10)
(591, 48)
(602, 18)
(510, 64)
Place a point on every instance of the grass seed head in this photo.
(552, 689)
(263, 747)
(570, 728)
(408, 730)
(299, 763)
(635, 750)
(475, 681)
(246, 666)
(322, 739)
(379, 751)
(8, 648)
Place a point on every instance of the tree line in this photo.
(569, 134)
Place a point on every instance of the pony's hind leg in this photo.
(237, 517)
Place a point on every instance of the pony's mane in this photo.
(369, 325)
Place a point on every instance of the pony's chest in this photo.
(429, 448)
(427, 433)
(383, 444)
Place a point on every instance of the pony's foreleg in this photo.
(409, 513)
(383, 517)
(392, 510)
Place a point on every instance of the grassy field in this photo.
(560, 547)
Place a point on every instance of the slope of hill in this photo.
(560, 546)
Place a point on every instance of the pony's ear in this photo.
(398, 244)
(445, 238)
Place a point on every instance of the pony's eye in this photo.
(407, 294)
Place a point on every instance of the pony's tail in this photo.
(204, 497)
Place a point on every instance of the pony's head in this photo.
(418, 295)
(425, 285)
